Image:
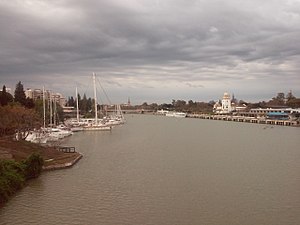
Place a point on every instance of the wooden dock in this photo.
(67, 149)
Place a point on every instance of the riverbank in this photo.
(247, 119)
(20, 150)
(14, 153)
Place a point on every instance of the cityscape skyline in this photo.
(153, 51)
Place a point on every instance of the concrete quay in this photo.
(245, 119)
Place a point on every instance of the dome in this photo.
(226, 96)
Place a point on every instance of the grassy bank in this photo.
(13, 174)
(22, 160)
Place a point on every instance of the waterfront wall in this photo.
(245, 119)
(63, 165)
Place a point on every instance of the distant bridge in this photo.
(133, 111)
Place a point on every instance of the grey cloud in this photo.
(134, 43)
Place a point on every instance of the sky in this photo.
(153, 50)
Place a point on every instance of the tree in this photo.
(29, 103)
(290, 96)
(59, 112)
(71, 101)
(279, 100)
(33, 166)
(11, 178)
(83, 105)
(280, 97)
(18, 119)
(5, 97)
(179, 104)
(294, 103)
(20, 94)
(79, 101)
(89, 105)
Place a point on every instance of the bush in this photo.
(14, 174)
(33, 166)
(11, 178)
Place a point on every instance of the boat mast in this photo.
(51, 113)
(44, 106)
(77, 107)
(95, 97)
(55, 110)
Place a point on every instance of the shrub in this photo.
(33, 166)
(11, 178)
(14, 174)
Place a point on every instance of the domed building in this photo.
(226, 105)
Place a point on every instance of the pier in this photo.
(246, 119)
(67, 149)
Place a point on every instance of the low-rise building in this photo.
(36, 94)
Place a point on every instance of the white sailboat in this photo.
(116, 118)
(96, 124)
(76, 125)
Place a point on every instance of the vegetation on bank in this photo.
(280, 100)
(13, 174)
(21, 160)
(19, 113)
(86, 107)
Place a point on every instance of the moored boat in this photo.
(176, 114)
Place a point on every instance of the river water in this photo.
(158, 170)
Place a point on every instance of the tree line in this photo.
(280, 100)
(20, 114)
(85, 105)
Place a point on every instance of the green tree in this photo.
(11, 178)
(83, 105)
(33, 166)
(71, 101)
(89, 104)
(20, 94)
(59, 113)
(290, 96)
(180, 104)
(5, 97)
(29, 103)
(294, 103)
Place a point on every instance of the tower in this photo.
(226, 103)
(128, 103)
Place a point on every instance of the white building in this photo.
(226, 105)
(38, 94)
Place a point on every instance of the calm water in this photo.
(166, 171)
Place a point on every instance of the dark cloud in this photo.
(151, 44)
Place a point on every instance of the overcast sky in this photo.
(153, 50)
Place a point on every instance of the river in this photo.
(157, 170)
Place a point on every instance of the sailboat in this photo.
(96, 124)
(117, 118)
(76, 125)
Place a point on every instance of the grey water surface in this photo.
(157, 170)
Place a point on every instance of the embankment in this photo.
(13, 155)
